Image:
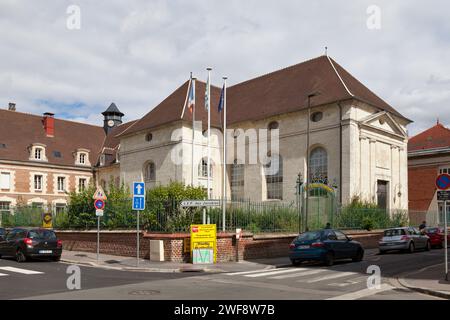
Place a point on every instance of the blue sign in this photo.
(139, 189)
(138, 203)
(443, 181)
(99, 204)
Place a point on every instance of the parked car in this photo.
(25, 243)
(436, 235)
(325, 245)
(404, 238)
(2, 232)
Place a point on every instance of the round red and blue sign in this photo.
(443, 181)
(99, 204)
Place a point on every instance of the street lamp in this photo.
(313, 94)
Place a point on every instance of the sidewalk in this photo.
(130, 264)
(429, 280)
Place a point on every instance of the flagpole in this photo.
(224, 191)
(209, 131)
(193, 130)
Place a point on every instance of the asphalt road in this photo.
(345, 280)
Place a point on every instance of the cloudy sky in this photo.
(136, 52)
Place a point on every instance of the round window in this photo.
(316, 116)
(236, 133)
(273, 125)
(149, 137)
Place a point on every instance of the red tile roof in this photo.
(279, 92)
(437, 136)
(19, 130)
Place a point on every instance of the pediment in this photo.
(385, 122)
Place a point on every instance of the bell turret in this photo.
(112, 117)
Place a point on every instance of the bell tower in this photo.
(112, 117)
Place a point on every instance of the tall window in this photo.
(82, 158)
(318, 166)
(150, 172)
(237, 181)
(38, 183)
(203, 168)
(274, 178)
(61, 184)
(5, 207)
(5, 181)
(81, 184)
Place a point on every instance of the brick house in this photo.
(42, 158)
(428, 156)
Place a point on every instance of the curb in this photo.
(427, 291)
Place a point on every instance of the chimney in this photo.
(49, 124)
(12, 106)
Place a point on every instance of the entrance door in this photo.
(382, 189)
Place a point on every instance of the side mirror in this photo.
(349, 238)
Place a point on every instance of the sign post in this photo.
(203, 243)
(443, 183)
(99, 204)
(138, 205)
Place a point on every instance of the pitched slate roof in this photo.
(19, 130)
(112, 109)
(437, 136)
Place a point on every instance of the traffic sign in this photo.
(443, 181)
(138, 203)
(138, 189)
(99, 204)
(99, 194)
(443, 195)
(200, 203)
(99, 213)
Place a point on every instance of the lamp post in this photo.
(299, 197)
(307, 158)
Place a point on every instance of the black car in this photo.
(325, 245)
(25, 243)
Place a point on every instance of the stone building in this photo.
(357, 142)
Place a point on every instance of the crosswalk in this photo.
(322, 277)
(13, 270)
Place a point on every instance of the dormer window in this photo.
(37, 152)
(102, 160)
(82, 157)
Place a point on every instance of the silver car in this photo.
(405, 238)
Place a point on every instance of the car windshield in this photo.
(42, 234)
(2, 231)
(394, 232)
(312, 235)
(432, 230)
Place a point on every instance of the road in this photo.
(345, 280)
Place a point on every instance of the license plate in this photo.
(45, 251)
(303, 247)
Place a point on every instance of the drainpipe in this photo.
(340, 152)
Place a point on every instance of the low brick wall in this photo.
(120, 243)
(123, 243)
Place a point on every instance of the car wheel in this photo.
(329, 259)
(428, 247)
(20, 256)
(411, 248)
(359, 256)
(382, 252)
(56, 259)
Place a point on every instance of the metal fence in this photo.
(256, 217)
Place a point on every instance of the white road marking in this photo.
(331, 276)
(19, 270)
(3, 274)
(300, 274)
(362, 293)
(272, 273)
(348, 282)
(247, 272)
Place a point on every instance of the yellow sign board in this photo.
(47, 220)
(203, 243)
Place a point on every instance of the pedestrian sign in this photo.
(138, 203)
(99, 194)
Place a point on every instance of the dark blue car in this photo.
(325, 245)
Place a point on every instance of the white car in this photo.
(404, 238)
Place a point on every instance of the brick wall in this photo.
(123, 243)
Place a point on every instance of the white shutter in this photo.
(5, 180)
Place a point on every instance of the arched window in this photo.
(237, 181)
(150, 171)
(318, 165)
(274, 178)
(203, 168)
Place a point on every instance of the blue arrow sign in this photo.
(138, 203)
(139, 189)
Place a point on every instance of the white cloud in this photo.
(136, 52)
